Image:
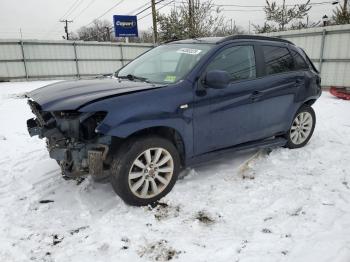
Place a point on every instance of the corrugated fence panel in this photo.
(12, 70)
(335, 55)
(98, 67)
(63, 59)
(98, 52)
(51, 68)
(48, 51)
(130, 52)
(10, 51)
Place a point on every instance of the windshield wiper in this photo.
(133, 78)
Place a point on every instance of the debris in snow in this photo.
(126, 242)
(75, 231)
(204, 217)
(2, 137)
(346, 184)
(266, 231)
(267, 218)
(103, 247)
(299, 211)
(56, 239)
(284, 252)
(159, 251)
(162, 210)
(245, 169)
(243, 246)
(46, 201)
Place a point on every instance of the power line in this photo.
(69, 9)
(255, 6)
(101, 33)
(137, 9)
(84, 9)
(149, 7)
(156, 9)
(110, 9)
(75, 8)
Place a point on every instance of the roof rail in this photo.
(254, 37)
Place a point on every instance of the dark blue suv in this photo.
(178, 104)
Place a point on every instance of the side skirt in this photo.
(266, 143)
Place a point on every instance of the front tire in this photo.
(145, 169)
(302, 127)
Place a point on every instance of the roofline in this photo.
(220, 40)
(253, 37)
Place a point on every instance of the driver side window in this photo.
(238, 61)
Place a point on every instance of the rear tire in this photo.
(145, 169)
(302, 127)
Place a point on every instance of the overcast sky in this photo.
(39, 18)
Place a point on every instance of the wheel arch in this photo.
(310, 102)
(166, 132)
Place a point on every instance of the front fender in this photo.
(134, 112)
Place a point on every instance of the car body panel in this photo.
(70, 95)
(152, 108)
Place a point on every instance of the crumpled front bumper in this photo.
(75, 157)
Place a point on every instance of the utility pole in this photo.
(154, 16)
(345, 8)
(190, 18)
(66, 27)
(283, 9)
(108, 33)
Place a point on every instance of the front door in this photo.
(225, 117)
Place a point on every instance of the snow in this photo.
(288, 205)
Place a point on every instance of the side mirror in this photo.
(217, 79)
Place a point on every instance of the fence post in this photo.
(24, 59)
(76, 59)
(121, 54)
(322, 49)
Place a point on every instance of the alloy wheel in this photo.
(301, 128)
(151, 172)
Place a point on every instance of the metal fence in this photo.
(30, 60)
(328, 47)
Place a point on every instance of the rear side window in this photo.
(238, 61)
(277, 59)
(299, 62)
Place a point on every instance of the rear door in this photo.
(276, 91)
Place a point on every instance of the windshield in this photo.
(165, 64)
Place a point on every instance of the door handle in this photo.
(256, 94)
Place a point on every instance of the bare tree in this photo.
(266, 28)
(341, 15)
(100, 30)
(191, 19)
(283, 15)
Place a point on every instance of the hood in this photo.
(71, 95)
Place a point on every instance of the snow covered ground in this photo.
(289, 205)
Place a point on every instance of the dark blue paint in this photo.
(235, 116)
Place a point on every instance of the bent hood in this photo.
(71, 95)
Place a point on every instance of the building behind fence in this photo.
(328, 47)
(21, 60)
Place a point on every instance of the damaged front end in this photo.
(72, 140)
